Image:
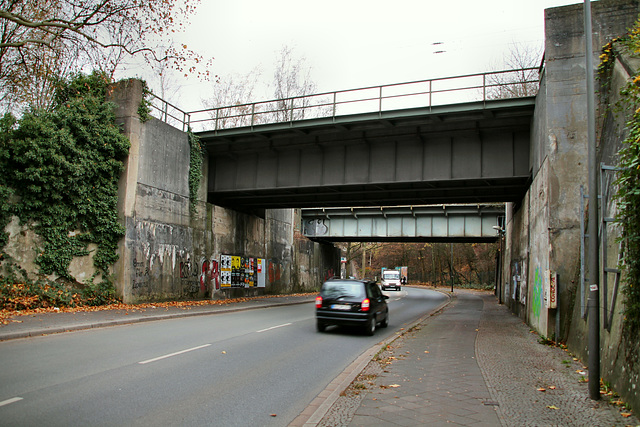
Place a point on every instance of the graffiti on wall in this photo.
(315, 227)
(538, 297)
(172, 271)
(141, 274)
(195, 278)
(518, 286)
(329, 274)
(275, 272)
(189, 276)
(209, 276)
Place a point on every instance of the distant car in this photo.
(347, 302)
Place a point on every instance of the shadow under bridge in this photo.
(470, 152)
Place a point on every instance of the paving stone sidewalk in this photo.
(474, 364)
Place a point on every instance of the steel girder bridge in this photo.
(463, 139)
(437, 223)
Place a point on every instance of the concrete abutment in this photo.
(170, 252)
(543, 231)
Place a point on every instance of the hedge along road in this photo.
(256, 367)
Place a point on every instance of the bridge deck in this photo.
(463, 153)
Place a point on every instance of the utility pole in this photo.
(451, 272)
(594, 270)
(364, 260)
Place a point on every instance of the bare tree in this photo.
(522, 80)
(292, 85)
(42, 38)
(231, 98)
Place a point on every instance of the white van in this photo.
(390, 280)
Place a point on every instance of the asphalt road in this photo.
(258, 367)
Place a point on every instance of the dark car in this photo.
(349, 302)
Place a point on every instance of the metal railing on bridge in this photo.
(416, 94)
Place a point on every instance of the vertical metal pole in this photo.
(484, 87)
(451, 272)
(364, 260)
(594, 270)
(500, 262)
(335, 95)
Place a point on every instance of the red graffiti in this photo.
(329, 274)
(274, 272)
(215, 273)
(204, 276)
(210, 275)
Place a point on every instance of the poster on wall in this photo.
(523, 284)
(261, 272)
(236, 267)
(550, 291)
(225, 271)
(238, 271)
(249, 274)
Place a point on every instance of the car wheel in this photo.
(399, 288)
(385, 322)
(321, 326)
(370, 328)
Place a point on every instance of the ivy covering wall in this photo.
(60, 178)
(628, 182)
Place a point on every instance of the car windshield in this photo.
(347, 290)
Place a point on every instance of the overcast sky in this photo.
(356, 43)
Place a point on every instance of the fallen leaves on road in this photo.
(6, 315)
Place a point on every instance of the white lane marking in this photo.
(155, 359)
(273, 327)
(10, 401)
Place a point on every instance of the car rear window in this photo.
(347, 290)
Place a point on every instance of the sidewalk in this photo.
(474, 364)
(52, 323)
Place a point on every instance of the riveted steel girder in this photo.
(465, 153)
(441, 223)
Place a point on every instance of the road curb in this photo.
(318, 408)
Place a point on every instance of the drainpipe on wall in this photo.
(594, 244)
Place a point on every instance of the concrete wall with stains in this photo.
(543, 230)
(170, 252)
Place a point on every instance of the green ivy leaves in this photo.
(628, 181)
(63, 168)
(195, 169)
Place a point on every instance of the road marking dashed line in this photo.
(10, 401)
(155, 359)
(273, 327)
